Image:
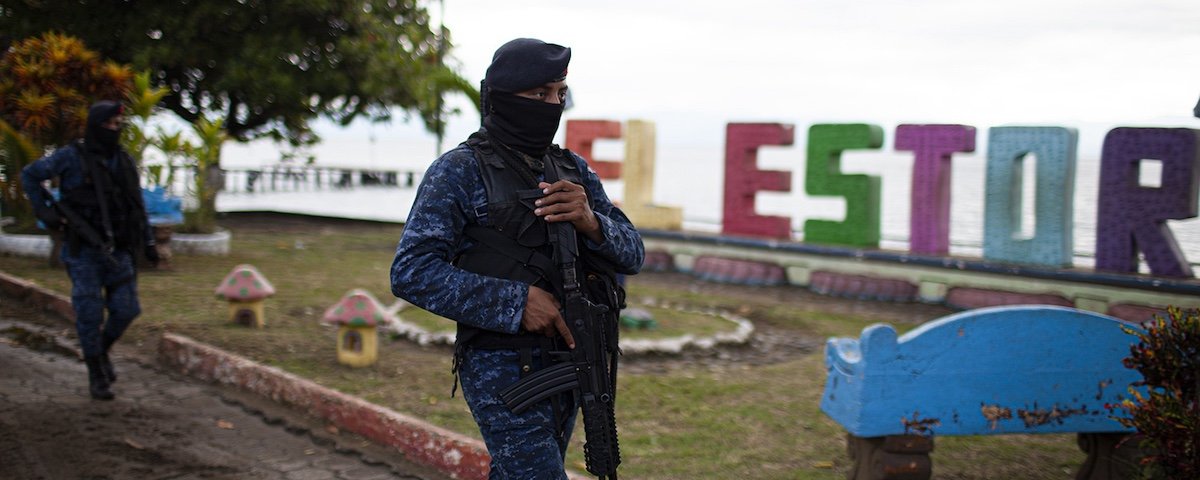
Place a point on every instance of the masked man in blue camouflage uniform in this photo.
(99, 182)
(475, 249)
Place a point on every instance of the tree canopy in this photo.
(266, 68)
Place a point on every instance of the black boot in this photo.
(106, 365)
(97, 383)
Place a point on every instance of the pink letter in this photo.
(743, 179)
(580, 136)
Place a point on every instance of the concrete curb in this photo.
(449, 452)
(24, 245)
(38, 295)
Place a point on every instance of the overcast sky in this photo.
(692, 66)
(960, 61)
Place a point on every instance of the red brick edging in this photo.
(34, 294)
(449, 452)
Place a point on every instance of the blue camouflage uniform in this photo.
(451, 197)
(96, 282)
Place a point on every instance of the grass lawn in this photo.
(705, 419)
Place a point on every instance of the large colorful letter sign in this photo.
(1054, 148)
(929, 222)
(823, 177)
(743, 179)
(581, 134)
(1132, 217)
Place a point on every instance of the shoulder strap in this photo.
(90, 172)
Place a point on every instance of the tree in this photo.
(47, 84)
(265, 67)
(206, 154)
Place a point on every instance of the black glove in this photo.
(49, 218)
(152, 255)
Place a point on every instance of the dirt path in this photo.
(160, 426)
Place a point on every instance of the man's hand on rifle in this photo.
(542, 316)
(51, 219)
(152, 255)
(568, 202)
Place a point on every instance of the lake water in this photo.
(689, 175)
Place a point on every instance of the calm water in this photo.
(691, 176)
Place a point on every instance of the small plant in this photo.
(1167, 414)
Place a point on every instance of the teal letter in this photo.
(1052, 242)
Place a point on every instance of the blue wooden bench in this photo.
(1002, 370)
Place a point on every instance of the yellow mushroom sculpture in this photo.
(357, 315)
(245, 289)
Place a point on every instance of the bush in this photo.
(1167, 414)
(47, 84)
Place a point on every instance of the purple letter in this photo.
(929, 222)
(1132, 217)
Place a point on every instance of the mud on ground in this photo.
(161, 425)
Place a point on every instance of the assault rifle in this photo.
(591, 371)
(82, 227)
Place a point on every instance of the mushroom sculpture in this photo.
(244, 288)
(357, 315)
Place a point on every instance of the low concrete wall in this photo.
(48, 300)
(449, 452)
(898, 276)
(37, 246)
(216, 243)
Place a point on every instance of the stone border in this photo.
(740, 335)
(449, 452)
(34, 294)
(38, 246)
(216, 243)
(25, 245)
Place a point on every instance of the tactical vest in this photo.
(119, 190)
(515, 243)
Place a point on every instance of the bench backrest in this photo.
(1016, 369)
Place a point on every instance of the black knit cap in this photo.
(526, 63)
(101, 111)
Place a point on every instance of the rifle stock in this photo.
(81, 226)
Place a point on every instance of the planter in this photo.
(23, 245)
(216, 243)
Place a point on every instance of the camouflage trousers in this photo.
(525, 446)
(97, 284)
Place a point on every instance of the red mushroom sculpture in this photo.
(245, 288)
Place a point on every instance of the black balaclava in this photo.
(524, 124)
(96, 138)
(1196, 111)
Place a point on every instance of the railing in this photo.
(290, 178)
